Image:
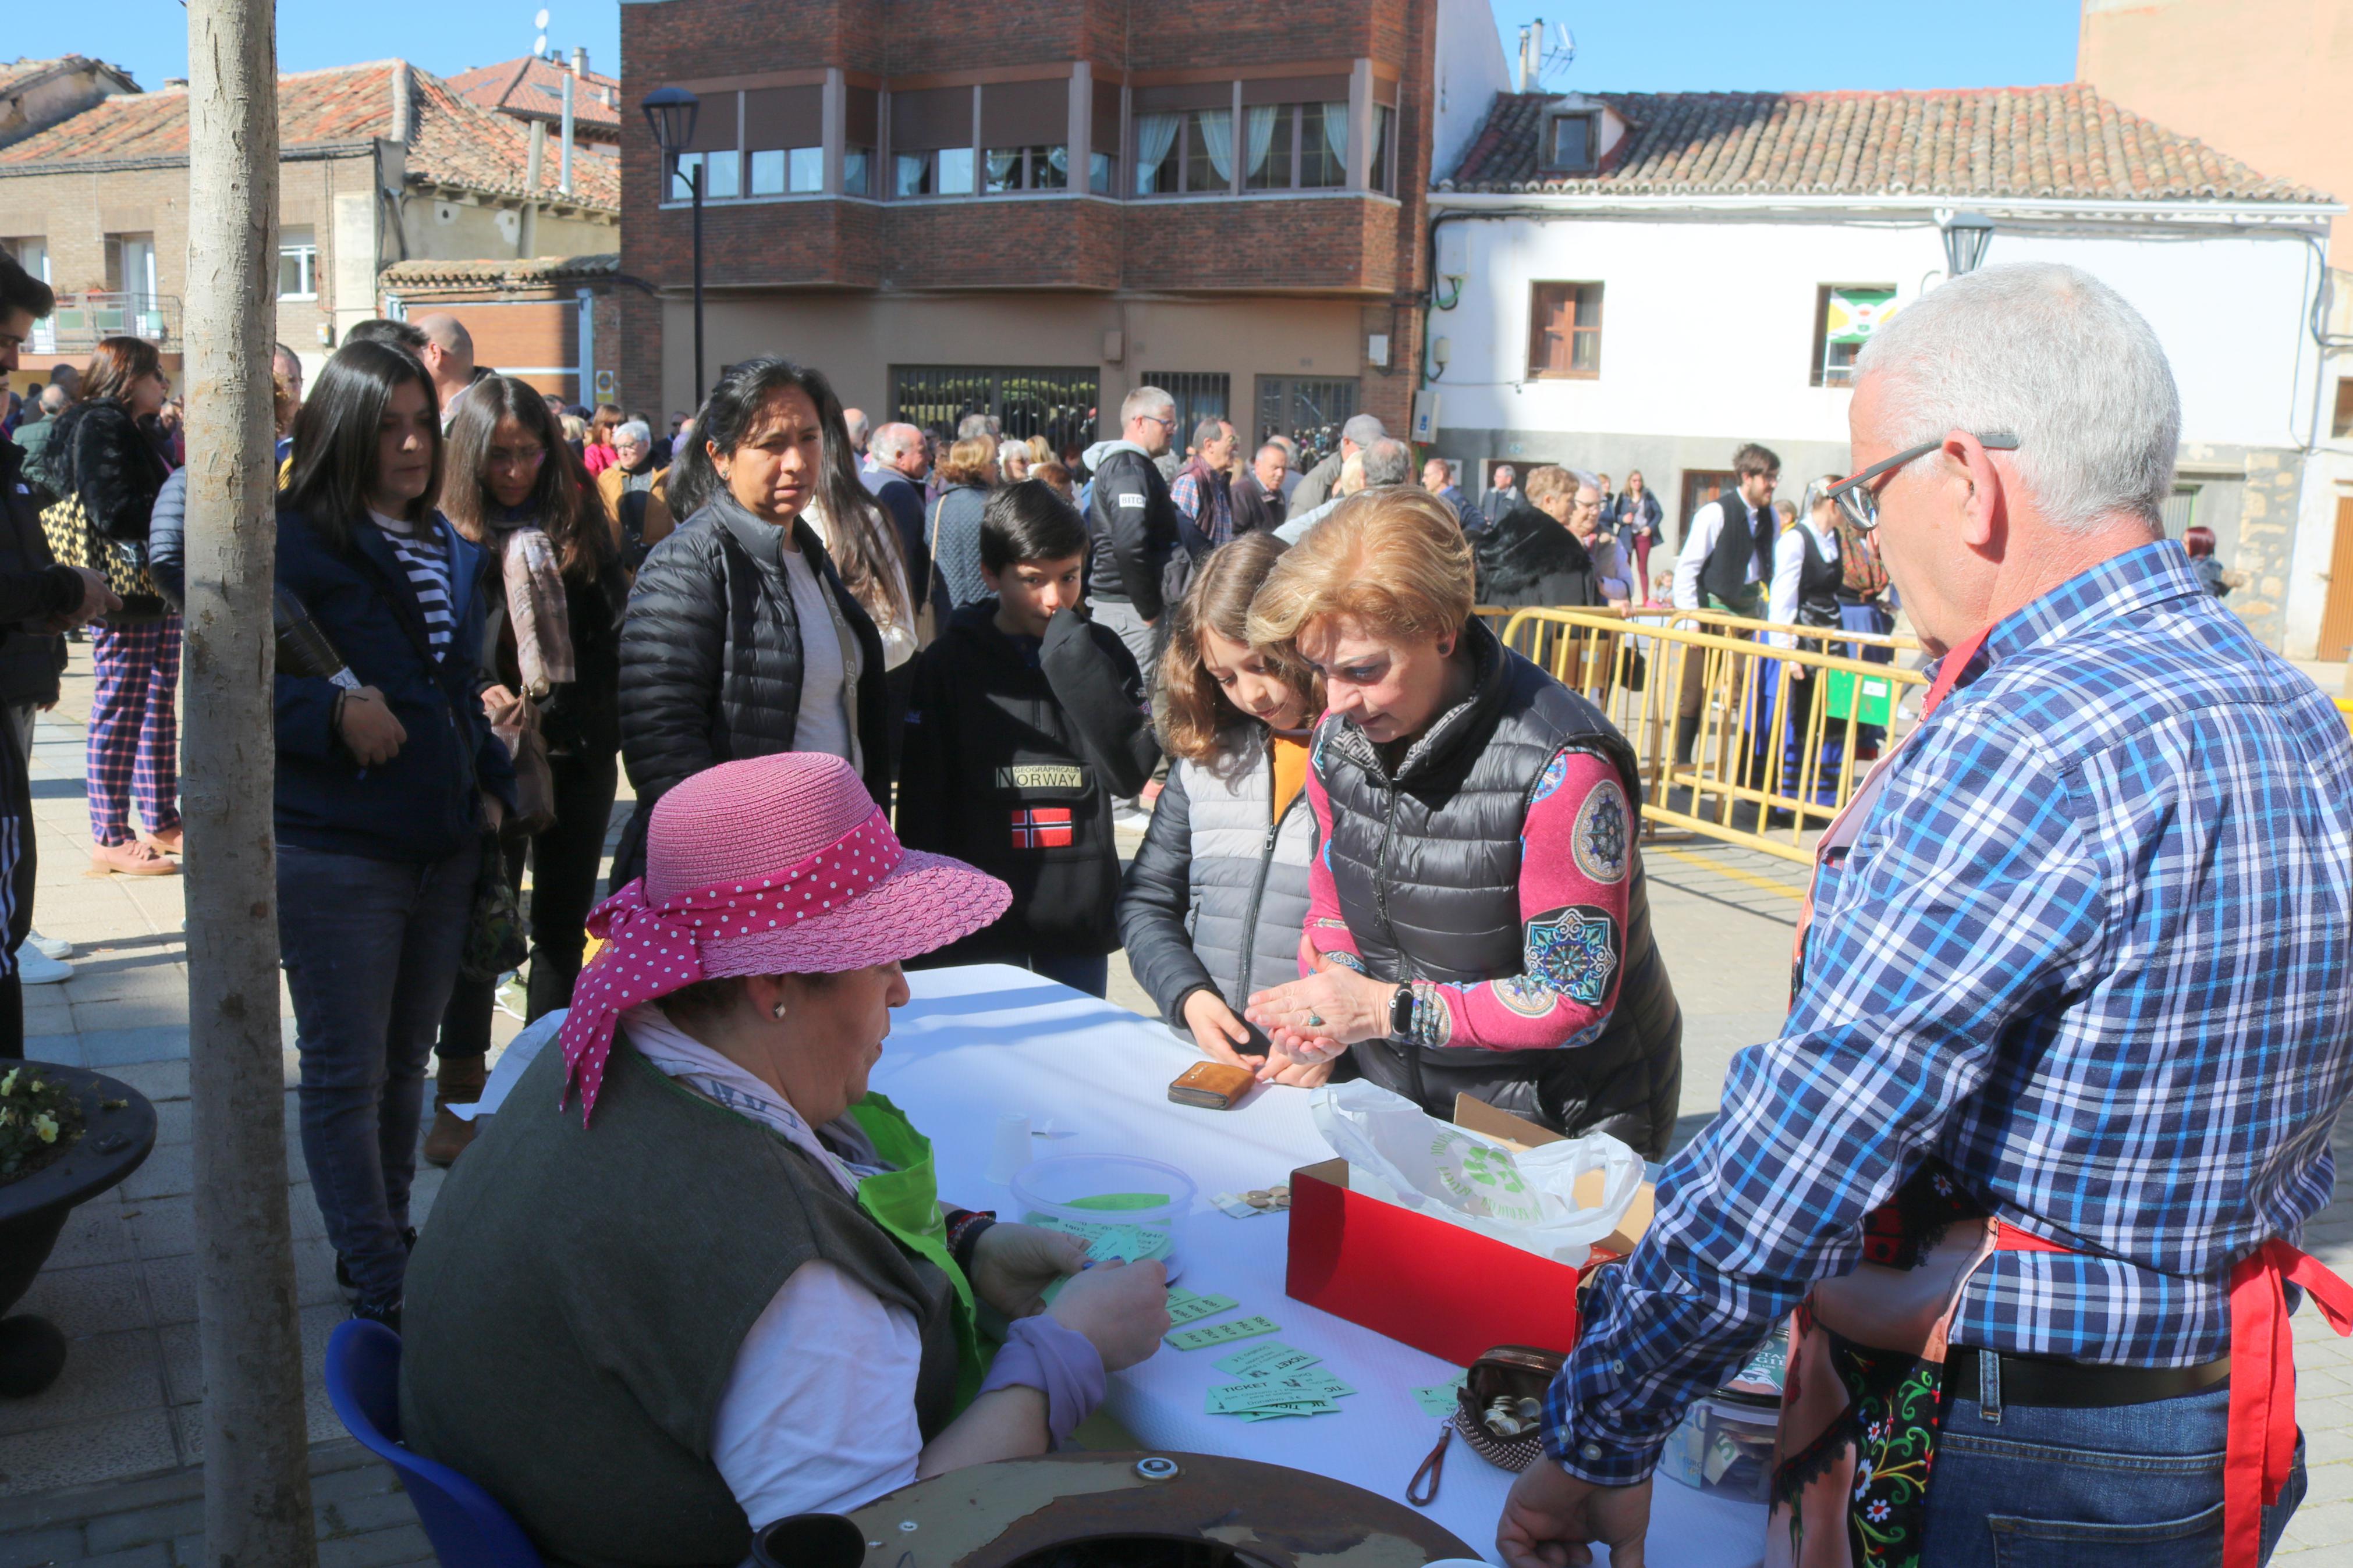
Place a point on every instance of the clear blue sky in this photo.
(1651, 46)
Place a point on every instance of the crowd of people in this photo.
(884, 700)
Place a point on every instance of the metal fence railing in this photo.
(1738, 739)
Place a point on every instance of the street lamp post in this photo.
(670, 112)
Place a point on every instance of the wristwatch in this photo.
(1401, 1010)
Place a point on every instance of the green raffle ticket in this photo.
(1265, 1361)
(1184, 1307)
(1222, 1333)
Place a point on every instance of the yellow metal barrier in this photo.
(1737, 739)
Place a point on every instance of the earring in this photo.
(777, 1012)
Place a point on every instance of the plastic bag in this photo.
(1526, 1198)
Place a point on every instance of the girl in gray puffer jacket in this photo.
(1213, 904)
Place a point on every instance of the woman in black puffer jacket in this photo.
(108, 452)
(741, 640)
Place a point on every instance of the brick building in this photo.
(1030, 209)
(379, 163)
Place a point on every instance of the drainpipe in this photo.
(564, 180)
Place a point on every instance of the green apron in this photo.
(905, 1202)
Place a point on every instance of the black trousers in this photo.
(564, 862)
(16, 874)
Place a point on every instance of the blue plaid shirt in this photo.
(2090, 950)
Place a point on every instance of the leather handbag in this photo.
(122, 562)
(494, 929)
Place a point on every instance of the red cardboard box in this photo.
(1429, 1284)
(1434, 1286)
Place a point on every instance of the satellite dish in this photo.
(540, 21)
(540, 46)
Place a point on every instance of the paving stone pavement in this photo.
(102, 1468)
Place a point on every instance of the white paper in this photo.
(518, 1054)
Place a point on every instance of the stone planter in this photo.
(33, 1210)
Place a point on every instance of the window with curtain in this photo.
(1382, 173)
(1037, 168)
(1102, 160)
(1155, 138)
(1270, 149)
(857, 176)
(861, 132)
(1208, 150)
(1323, 145)
(932, 143)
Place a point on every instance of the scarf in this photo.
(681, 1055)
(652, 949)
(536, 607)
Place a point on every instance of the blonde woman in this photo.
(1477, 921)
(953, 524)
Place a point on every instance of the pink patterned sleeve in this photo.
(1576, 865)
(1325, 929)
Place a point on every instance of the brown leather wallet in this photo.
(1213, 1085)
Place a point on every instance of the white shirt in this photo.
(1706, 524)
(827, 723)
(1789, 566)
(806, 1424)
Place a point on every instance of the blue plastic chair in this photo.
(465, 1523)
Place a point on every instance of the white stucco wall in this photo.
(1469, 69)
(1707, 323)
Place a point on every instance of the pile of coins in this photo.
(1275, 1197)
(1509, 1417)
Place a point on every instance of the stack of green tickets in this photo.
(1274, 1382)
(1114, 1239)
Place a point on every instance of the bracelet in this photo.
(964, 1229)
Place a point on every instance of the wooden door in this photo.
(2337, 615)
(1701, 485)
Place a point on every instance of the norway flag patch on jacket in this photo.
(1043, 828)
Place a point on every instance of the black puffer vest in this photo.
(1427, 865)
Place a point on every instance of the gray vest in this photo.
(1738, 543)
(575, 1305)
(1249, 900)
(1427, 865)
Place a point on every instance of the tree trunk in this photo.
(257, 1442)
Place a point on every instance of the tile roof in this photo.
(503, 272)
(15, 74)
(532, 89)
(450, 142)
(2064, 141)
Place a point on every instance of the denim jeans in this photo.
(371, 950)
(2127, 1486)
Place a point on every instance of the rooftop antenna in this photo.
(1558, 58)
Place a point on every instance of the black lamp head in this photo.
(670, 111)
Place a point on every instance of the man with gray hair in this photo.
(859, 427)
(1386, 463)
(449, 356)
(1316, 489)
(896, 462)
(1131, 524)
(635, 491)
(2071, 1028)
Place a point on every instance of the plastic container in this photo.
(1122, 1207)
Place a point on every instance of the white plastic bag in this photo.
(1524, 1198)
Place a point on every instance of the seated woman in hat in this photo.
(694, 1278)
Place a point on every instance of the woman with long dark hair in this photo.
(743, 637)
(512, 486)
(385, 792)
(109, 453)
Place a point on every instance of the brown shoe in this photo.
(167, 842)
(459, 1080)
(447, 1138)
(134, 859)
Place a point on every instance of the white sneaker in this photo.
(55, 947)
(38, 968)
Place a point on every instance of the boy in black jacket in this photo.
(1027, 719)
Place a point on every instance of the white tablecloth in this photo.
(981, 1042)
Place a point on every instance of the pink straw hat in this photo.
(779, 865)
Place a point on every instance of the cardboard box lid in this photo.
(1518, 1132)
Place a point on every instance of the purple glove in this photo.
(1060, 1362)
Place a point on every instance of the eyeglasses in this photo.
(1857, 497)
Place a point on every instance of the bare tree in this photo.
(256, 1441)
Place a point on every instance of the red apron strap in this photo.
(2262, 1443)
(1949, 671)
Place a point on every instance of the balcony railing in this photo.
(82, 319)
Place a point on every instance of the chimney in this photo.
(579, 62)
(400, 113)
